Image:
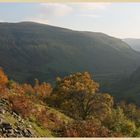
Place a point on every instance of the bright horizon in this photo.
(120, 20)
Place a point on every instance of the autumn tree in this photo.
(3, 84)
(131, 111)
(3, 78)
(21, 105)
(28, 89)
(15, 88)
(77, 82)
(88, 128)
(76, 96)
(119, 124)
(42, 90)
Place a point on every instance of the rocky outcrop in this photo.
(7, 130)
(11, 124)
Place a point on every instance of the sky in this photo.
(120, 20)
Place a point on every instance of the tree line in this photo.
(93, 114)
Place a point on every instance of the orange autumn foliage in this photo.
(42, 90)
(3, 82)
(16, 88)
(89, 128)
(28, 89)
(21, 105)
(3, 78)
(42, 117)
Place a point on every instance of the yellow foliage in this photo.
(77, 82)
(43, 90)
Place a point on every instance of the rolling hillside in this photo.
(127, 88)
(30, 50)
(134, 43)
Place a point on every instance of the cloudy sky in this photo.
(117, 19)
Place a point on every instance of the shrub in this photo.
(21, 105)
(88, 128)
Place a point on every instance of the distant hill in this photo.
(127, 88)
(134, 43)
(30, 50)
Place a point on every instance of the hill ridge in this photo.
(37, 50)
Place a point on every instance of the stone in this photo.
(18, 129)
(15, 115)
(5, 125)
(29, 131)
(19, 119)
(29, 126)
(2, 111)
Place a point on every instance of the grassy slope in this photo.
(40, 131)
(37, 129)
